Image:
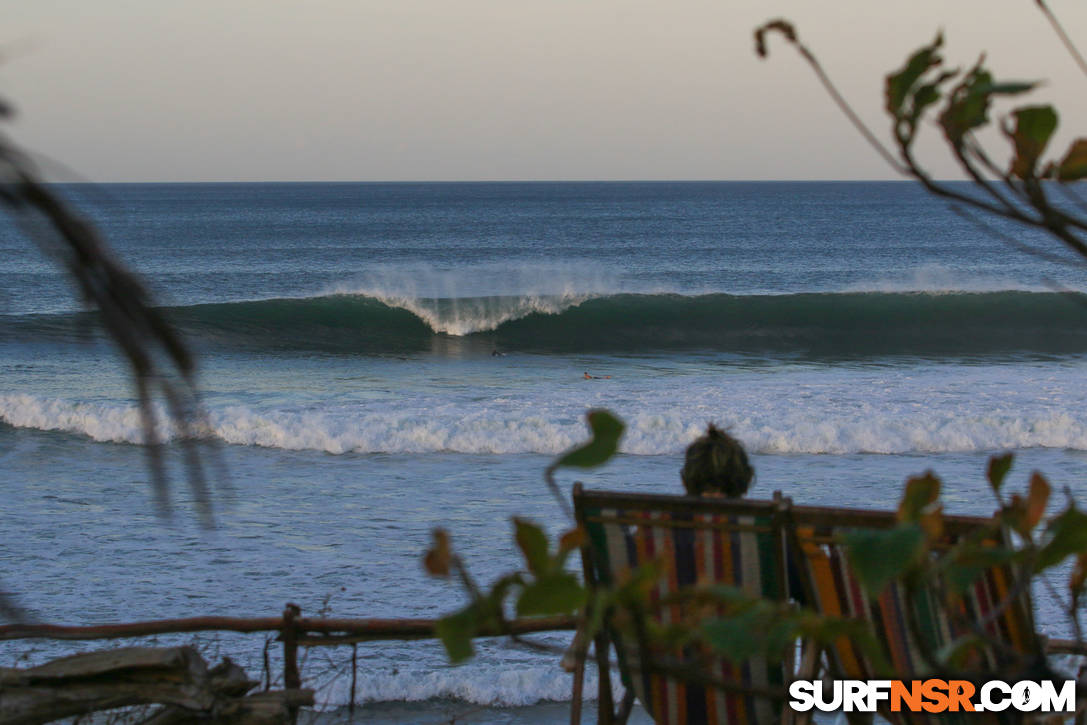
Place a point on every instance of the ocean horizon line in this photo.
(495, 182)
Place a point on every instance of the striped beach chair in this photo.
(694, 540)
(908, 627)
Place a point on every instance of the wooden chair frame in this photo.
(815, 543)
(795, 523)
(600, 500)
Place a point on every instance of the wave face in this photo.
(813, 324)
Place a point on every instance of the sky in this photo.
(420, 90)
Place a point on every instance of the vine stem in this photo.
(789, 33)
(1059, 30)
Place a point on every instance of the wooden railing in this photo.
(294, 631)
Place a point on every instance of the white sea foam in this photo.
(103, 422)
(463, 316)
(478, 685)
(480, 298)
(520, 429)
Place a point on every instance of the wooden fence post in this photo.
(292, 680)
(354, 675)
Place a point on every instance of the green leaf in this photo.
(968, 106)
(558, 593)
(921, 492)
(606, 430)
(726, 594)
(738, 638)
(761, 629)
(780, 635)
(533, 543)
(928, 94)
(491, 604)
(968, 564)
(907, 98)
(634, 585)
(1074, 164)
(1034, 125)
(898, 84)
(998, 469)
(1010, 88)
(827, 630)
(456, 632)
(830, 630)
(879, 557)
(1067, 534)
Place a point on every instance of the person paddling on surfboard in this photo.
(597, 377)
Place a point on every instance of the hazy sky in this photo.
(190, 90)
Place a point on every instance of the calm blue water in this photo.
(851, 334)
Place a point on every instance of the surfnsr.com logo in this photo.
(932, 695)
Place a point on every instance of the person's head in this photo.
(716, 464)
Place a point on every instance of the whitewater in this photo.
(376, 360)
(915, 409)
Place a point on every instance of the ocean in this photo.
(379, 359)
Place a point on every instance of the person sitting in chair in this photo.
(716, 465)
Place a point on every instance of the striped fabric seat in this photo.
(694, 540)
(833, 589)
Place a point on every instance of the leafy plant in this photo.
(1020, 189)
(543, 587)
(723, 621)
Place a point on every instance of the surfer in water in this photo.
(716, 465)
(596, 377)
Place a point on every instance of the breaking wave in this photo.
(810, 324)
(483, 430)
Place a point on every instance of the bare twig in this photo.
(1059, 30)
(1011, 241)
(788, 31)
(549, 476)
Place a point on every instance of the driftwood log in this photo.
(262, 708)
(176, 677)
